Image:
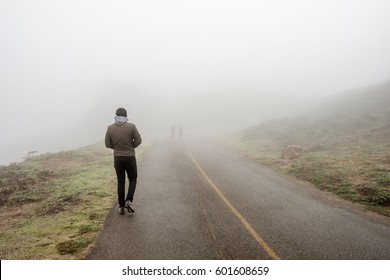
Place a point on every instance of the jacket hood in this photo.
(119, 120)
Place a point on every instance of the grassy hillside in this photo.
(54, 205)
(345, 142)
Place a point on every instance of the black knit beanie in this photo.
(121, 112)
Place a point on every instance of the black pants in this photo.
(125, 165)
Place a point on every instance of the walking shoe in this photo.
(129, 206)
(121, 210)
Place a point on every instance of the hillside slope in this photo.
(345, 146)
(53, 206)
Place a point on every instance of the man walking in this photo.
(124, 137)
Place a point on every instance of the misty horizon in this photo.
(65, 67)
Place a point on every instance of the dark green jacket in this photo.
(123, 138)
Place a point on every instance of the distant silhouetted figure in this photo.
(124, 137)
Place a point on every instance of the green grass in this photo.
(53, 206)
(359, 173)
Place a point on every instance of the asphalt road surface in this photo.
(200, 200)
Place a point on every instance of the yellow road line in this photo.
(246, 224)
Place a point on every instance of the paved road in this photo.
(199, 200)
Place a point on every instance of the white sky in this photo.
(71, 63)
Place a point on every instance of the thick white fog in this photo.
(65, 66)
